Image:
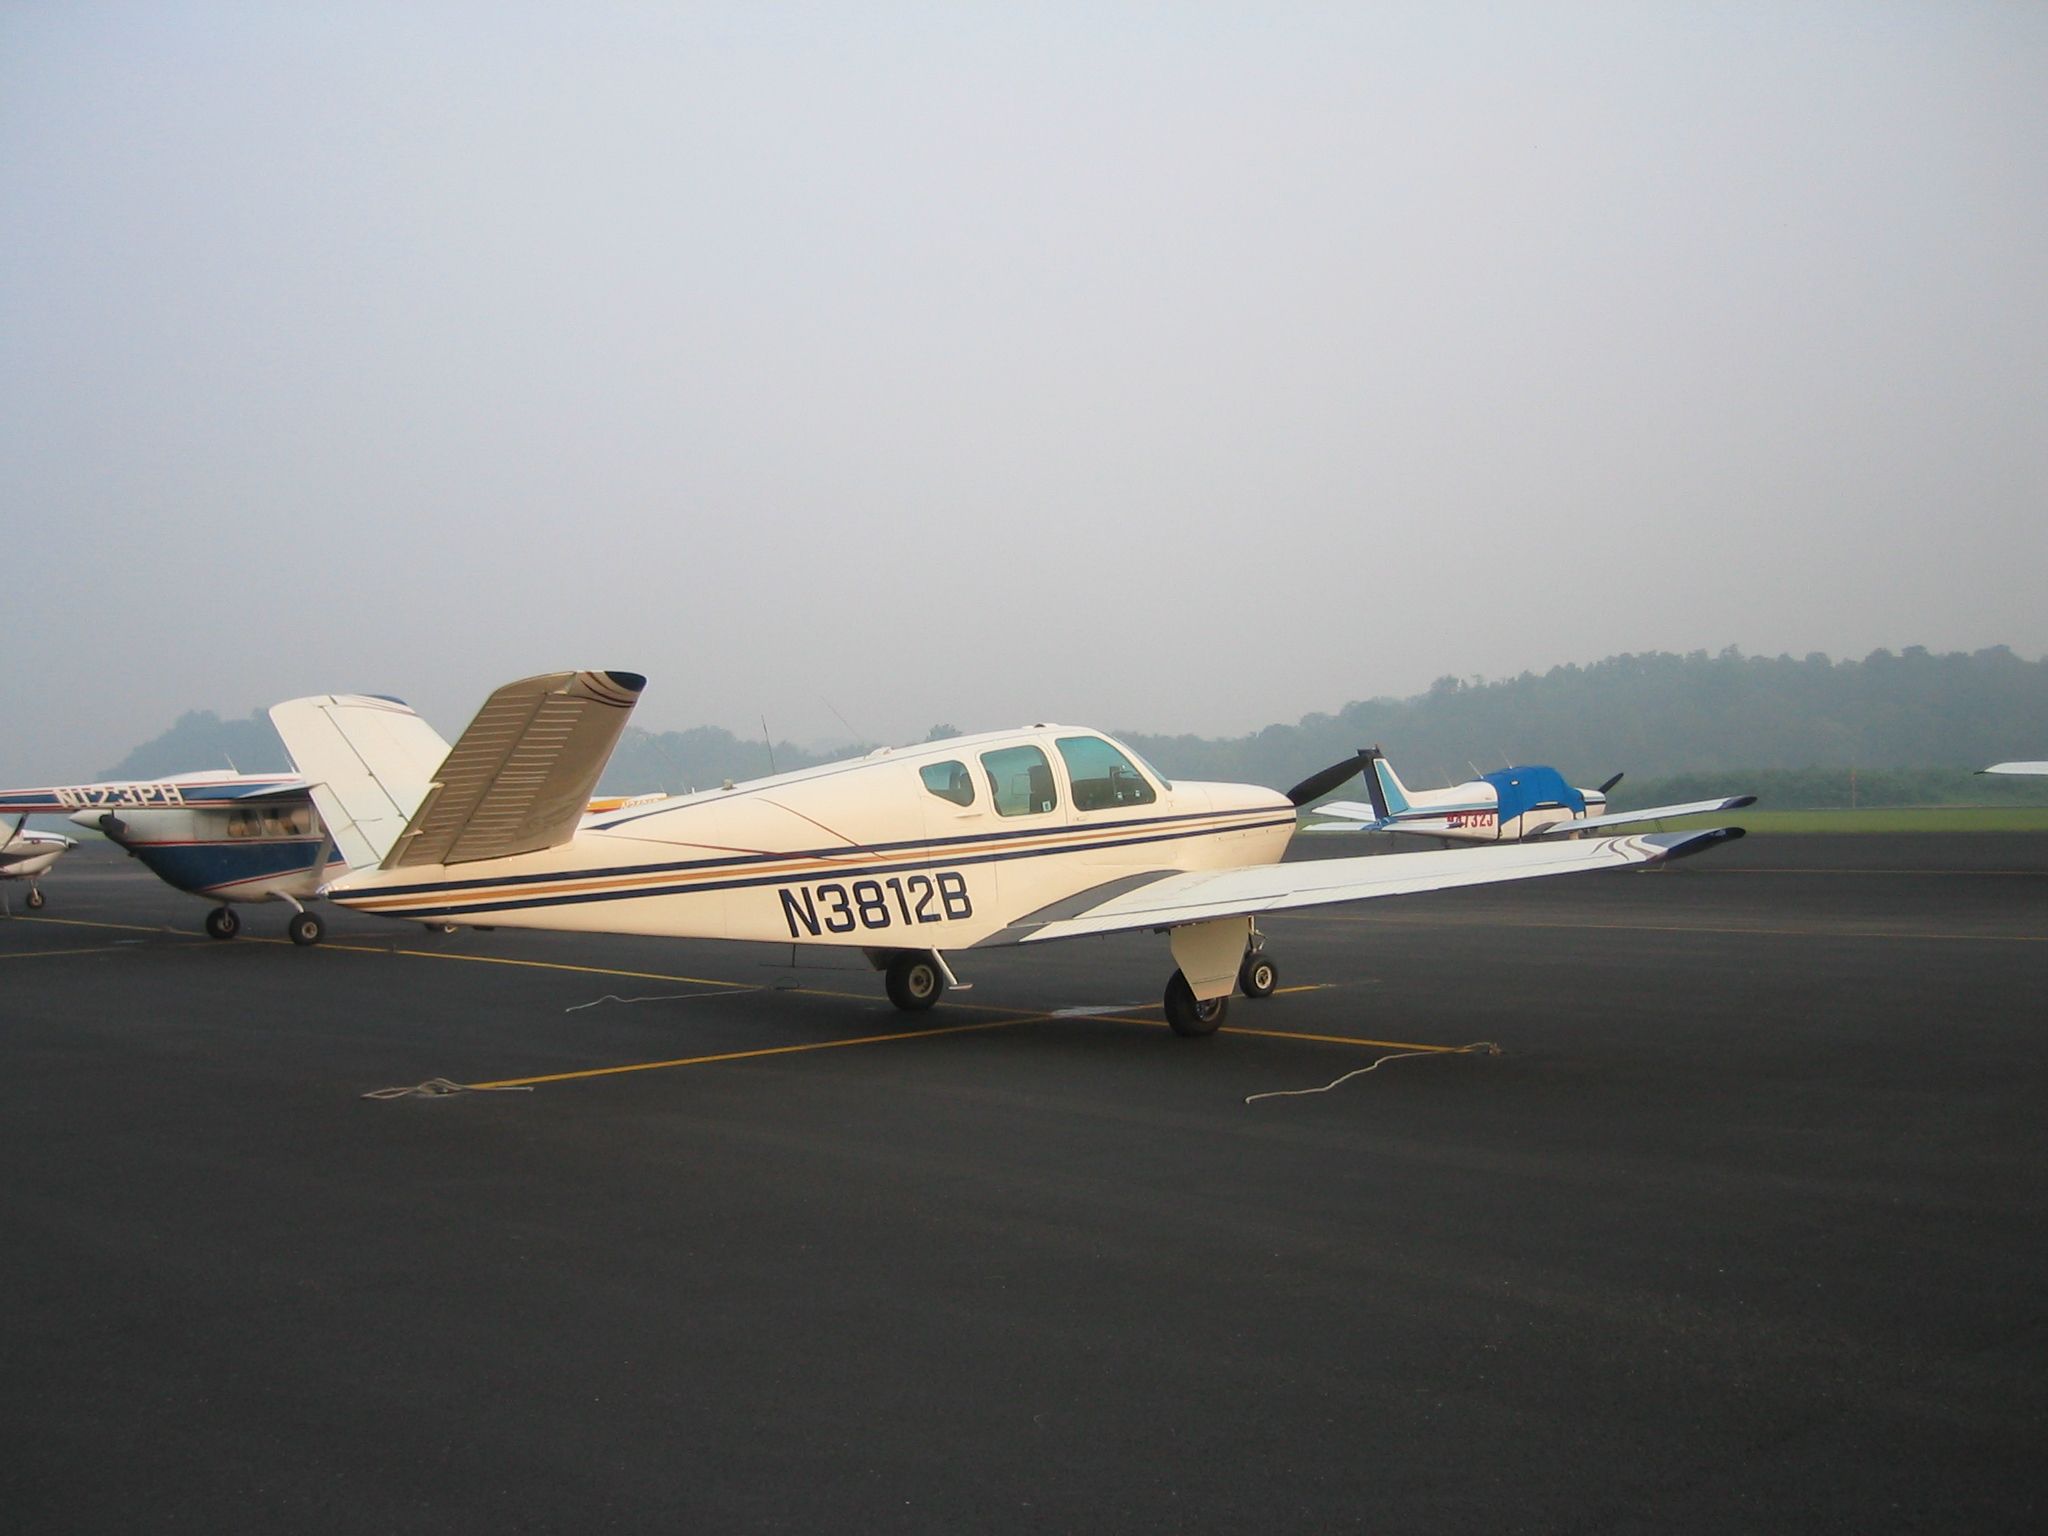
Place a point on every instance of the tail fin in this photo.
(520, 778)
(368, 761)
(1389, 794)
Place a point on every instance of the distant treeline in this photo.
(1910, 728)
(1660, 715)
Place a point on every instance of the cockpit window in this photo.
(949, 781)
(1103, 778)
(1020, 781)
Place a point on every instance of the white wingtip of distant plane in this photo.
(2036, 770)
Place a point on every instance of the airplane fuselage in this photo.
(25, 855)
(1463, 817)
(222, 835)
(939, 846)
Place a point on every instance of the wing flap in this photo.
(1204, 895)
(520, 778)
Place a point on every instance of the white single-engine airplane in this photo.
(241, 837)
(1513, 805)
(26, 855)
(1015, 837)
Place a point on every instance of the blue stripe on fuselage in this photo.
(921, 861)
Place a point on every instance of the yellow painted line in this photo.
(79, 922)
(38, 954)
(539, 965)
(1289, 1034)
(771, 1050)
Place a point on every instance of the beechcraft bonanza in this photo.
(26, 855)
(908, 855)
(235, 838)
(1513, 805)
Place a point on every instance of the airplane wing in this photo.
(1632, 818)
(1173, 899)
(520, 777)
(1357, 817)
(2037, 770)
(368, 762)
(149, 794)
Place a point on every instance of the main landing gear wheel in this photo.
(914, 982)
(1190, 1017)
(36, 899)
(305, 928)
(1258, 976)
(222, 923)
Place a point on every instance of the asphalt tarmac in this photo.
(1744, 1226)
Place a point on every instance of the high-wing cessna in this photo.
(1513, 805)
(1015, 837)
(26, 855)
(242, 837)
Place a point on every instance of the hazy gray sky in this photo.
(1169, 367)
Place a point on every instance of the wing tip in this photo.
(1683, 845)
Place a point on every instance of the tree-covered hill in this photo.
(1904, 728)
(1659, 715)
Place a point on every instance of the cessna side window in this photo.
(949, 781)
(1019, 781)
(1103, 778)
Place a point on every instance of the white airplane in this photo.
(26, 855)
(1513, 805)
(2035, 770)
(240, 837)
(1014, 837)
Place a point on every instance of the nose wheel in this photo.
(223, 923)
(36, 899)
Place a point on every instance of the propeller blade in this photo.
(1610, 784)
(1319, 784)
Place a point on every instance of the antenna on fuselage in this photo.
(858, 739)
(768, 742)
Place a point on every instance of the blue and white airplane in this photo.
(1511, 806)
(234, 838)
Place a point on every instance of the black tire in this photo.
(915, 983)
(36, 899)
(1192, 1019)
(223, 923)
(1258, 976)
(305, 929)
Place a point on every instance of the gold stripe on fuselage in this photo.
(757, 869)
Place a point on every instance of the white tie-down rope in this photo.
(441, 1087)
(1438, 1050)
(661, 997)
